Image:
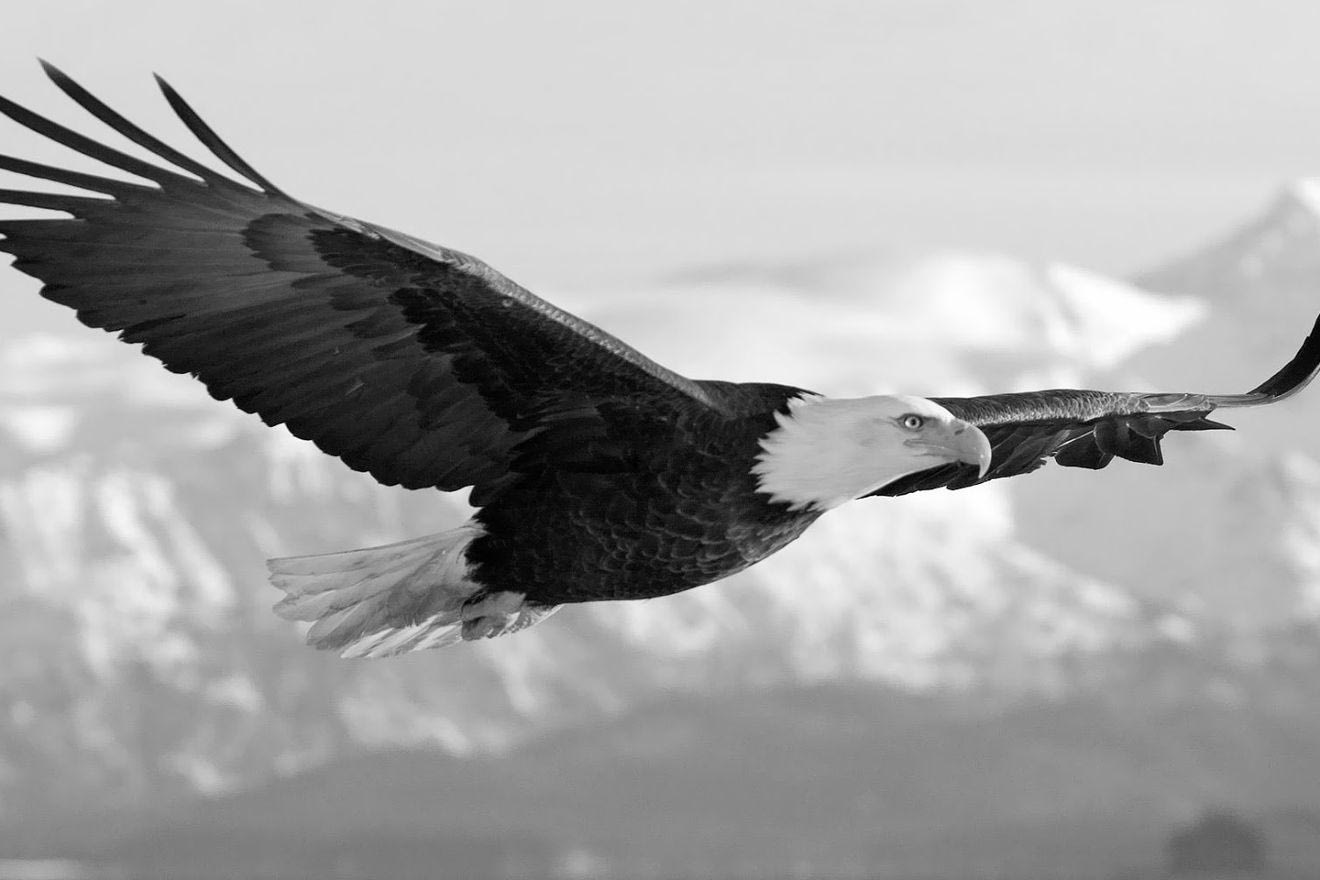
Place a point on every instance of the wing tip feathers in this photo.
(55, 74)
(1297, 373)
(212, 141)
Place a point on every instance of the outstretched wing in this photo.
(416, 363)
(1089, 429)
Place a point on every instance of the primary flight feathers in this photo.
(599, 473)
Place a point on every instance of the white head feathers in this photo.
(827, 451)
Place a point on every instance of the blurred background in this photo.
(1067, 675)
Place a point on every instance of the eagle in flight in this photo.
(597, 473)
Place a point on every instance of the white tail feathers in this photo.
(394, 599)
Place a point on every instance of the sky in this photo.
(601, 144)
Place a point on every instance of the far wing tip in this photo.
(1298, 372)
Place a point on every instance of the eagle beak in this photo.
(957, 441)
(973, 447)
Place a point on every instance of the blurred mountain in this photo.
(1265, 270)
(835, 780)
(141, 665)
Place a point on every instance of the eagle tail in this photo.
(382, 601)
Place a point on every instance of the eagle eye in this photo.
(912, 421)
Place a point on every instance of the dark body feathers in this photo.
(678, 509)
(599, 474)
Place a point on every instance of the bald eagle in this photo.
(597, 473)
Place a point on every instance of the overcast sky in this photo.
(603, 142)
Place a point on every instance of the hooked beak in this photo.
(955, 441)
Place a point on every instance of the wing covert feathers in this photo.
(1089, 429)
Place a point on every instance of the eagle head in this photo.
(826, 451)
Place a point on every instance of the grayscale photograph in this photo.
(723, 440)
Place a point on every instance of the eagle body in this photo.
(622, 519)
(597, 473)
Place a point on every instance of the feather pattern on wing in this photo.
(414, 362)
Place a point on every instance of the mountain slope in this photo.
(842, 780)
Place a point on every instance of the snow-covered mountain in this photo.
(141, 661)
(941, 323)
